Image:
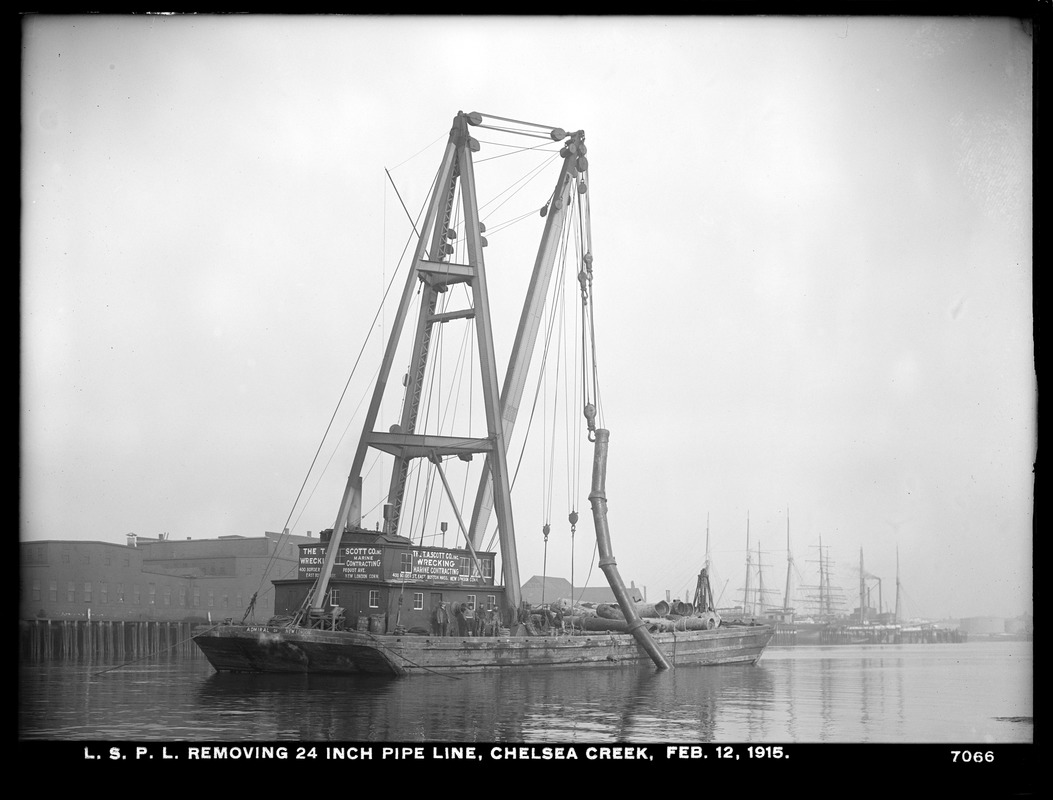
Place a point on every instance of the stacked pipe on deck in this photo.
(659, 617)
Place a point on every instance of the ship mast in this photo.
(746, 607)
(899, 610)
(707, 542)
(824, 590)
(862, 590)
(789, 562)
(759, 609)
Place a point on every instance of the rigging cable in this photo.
(343, 393)
(548, 459)
(514, 149)
(449, 412)
(517, 132)
(332, 418)
(517, 122)
(521, 183)
(560, 277)
(427, 392)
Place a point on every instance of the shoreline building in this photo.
(380, 582)
(192, 580)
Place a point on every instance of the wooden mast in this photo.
(789, 563)
(899, 610)
(862, 590)
(747, 608)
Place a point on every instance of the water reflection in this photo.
(877, 693)
(614, 705)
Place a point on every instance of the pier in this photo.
(889, 634)
(788, 635)
(76, 638)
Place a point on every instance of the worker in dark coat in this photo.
(441, 620)
(458, 615)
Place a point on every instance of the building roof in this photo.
(556, 588)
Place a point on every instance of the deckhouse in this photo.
(385, 583)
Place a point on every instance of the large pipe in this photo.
(599, 624)
(655, 625)
(659, 609)
(598, 500)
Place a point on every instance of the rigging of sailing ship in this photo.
(330, 625)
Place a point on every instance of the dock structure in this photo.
(789, 635)
(81, 638)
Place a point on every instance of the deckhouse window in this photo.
(466, 567)
(488, 568)
(406, 563)
(374, 598)
(418, 601)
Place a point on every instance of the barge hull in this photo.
(262, 648)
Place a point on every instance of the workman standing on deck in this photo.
(441, 620)
(458, 617)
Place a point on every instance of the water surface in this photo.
(977, 692)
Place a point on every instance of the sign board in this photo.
(420, 564)
(354, 561)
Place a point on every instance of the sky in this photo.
(812, 239)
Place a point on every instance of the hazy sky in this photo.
(813, 250)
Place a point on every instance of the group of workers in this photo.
(463, 619)
(543, 619)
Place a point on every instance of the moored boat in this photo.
(356, 570)
(266, 648)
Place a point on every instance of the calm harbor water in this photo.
(970, 693)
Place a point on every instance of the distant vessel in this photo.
(380, 565)
(866, 625)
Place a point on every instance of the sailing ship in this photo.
(353, 570)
